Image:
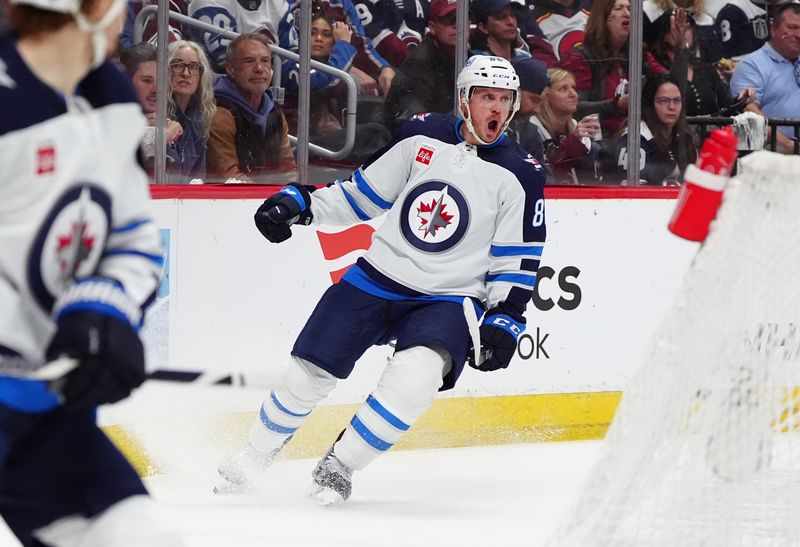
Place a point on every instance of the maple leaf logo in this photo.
(73, 248)
(434, 216)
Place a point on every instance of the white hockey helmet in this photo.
(96, 30)
(486, 71)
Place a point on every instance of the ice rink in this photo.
(506, 496)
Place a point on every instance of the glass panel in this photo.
(571, 56)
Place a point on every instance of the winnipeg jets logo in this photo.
(73, 248)
(434, 216)
(70, 243)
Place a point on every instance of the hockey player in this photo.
(80, 258)
(465, 218)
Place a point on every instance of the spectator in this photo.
(742, 26)
(425, 82)
(383, 24)
(570, 147)
(272, 18)
(139, 62)
(330, 44)
(532, 81)
(600, 65)
(150, 35)
(373, 73)
(191, 104)
(667, 144)
(705, 91)
(657, 14)
(774, 73)
(562, 22)
(537, 43)
(496, 31)
(249, 138)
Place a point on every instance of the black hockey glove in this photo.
(500, 330)
(94, 328)
(290, 205)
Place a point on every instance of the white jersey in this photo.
(461, 220)
(272, 18)
(74, 202)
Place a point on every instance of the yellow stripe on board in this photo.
(464, 421)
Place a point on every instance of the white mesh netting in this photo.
(705, 445)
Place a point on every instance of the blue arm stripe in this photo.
(359, 213)
(529, 280)
(158, 260)
(367, 190)
(273, 426)
(396, 422)
(516, 250)
(369, 437)
(284, 409)
(131, 226)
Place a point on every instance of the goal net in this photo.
(705, 446)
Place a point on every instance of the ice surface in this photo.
(506, 496)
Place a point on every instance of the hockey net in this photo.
(705, 445)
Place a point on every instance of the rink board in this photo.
(232, 304)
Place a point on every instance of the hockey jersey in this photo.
(273, 18)
(462, 220)
(74, 203)
(741, 25)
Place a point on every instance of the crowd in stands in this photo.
(700, 58)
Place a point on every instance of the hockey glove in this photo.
(500, 331)
(95, 326)
(290, 205)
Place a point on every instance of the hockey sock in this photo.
(284, 409)
(405, 391)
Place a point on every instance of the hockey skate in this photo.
(241, 471)
(332, 481)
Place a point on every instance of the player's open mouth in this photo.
(493, 125)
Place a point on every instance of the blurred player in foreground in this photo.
(463, 232)
(80, 259)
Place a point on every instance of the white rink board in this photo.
(236, 302)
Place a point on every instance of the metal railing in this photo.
(303, 113)
(704, 122)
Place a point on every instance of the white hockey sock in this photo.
(284, 409)
(406, 390)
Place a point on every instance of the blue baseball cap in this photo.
(532, 74)
(482, 8)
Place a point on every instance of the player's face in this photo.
(144, 81)
(786, 35)
(185, 72)
(668, 104)
(321, 39)
(251, 69)
(490, 108)
(562, 96)
(501, 25)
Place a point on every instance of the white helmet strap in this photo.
(97, 30)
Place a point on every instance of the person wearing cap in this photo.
(532, 81)
(496, 32)
(464, 232)
(81, 259)
(425, 82)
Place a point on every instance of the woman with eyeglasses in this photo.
(667, 145)
(191, 103)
